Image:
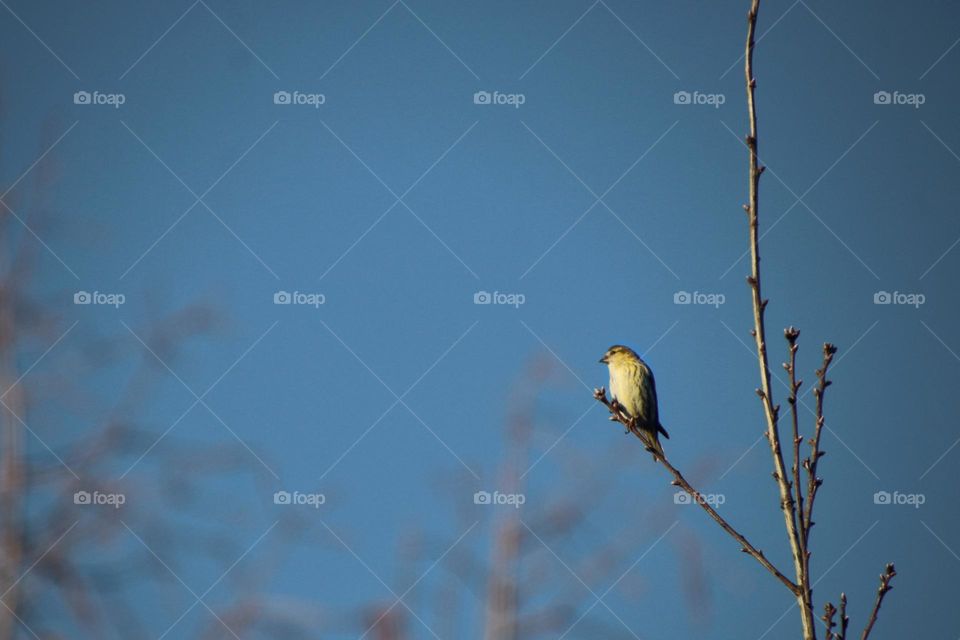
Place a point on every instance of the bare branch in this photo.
(810, 464)
(828, 612)
(618, 415)
(885, 578)
(791, 334)
(844, 620)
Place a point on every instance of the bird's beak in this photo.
(603, 360)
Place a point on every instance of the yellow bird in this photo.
(633, 387)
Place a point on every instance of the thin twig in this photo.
(810, 464)
(791, 334)
(844, 620)
(618, 415)
(885, 578)
(828, 612)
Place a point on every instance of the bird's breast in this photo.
(625, 387)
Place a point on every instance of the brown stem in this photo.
(791, 334)
(828, 612)
(810, 464)
(885, 578)
(844, 620)
(771, 411)
(618, 415)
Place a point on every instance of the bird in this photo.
(635, 391)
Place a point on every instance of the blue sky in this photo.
(599, 199)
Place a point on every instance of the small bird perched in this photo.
(634, 389)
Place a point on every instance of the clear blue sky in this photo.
(399, 198)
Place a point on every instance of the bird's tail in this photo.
(654, 446)
(663, 431)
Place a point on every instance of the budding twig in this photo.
(828, 612)
(885, 578)
(810, 464)
(844, 620)
(791, 334)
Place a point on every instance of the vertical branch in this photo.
(844, 620)
(771, 411)
(810, 464)
(885, 578)
(828, 612)
(791, 334)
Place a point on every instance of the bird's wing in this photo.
(648, 392)
(654, 411)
